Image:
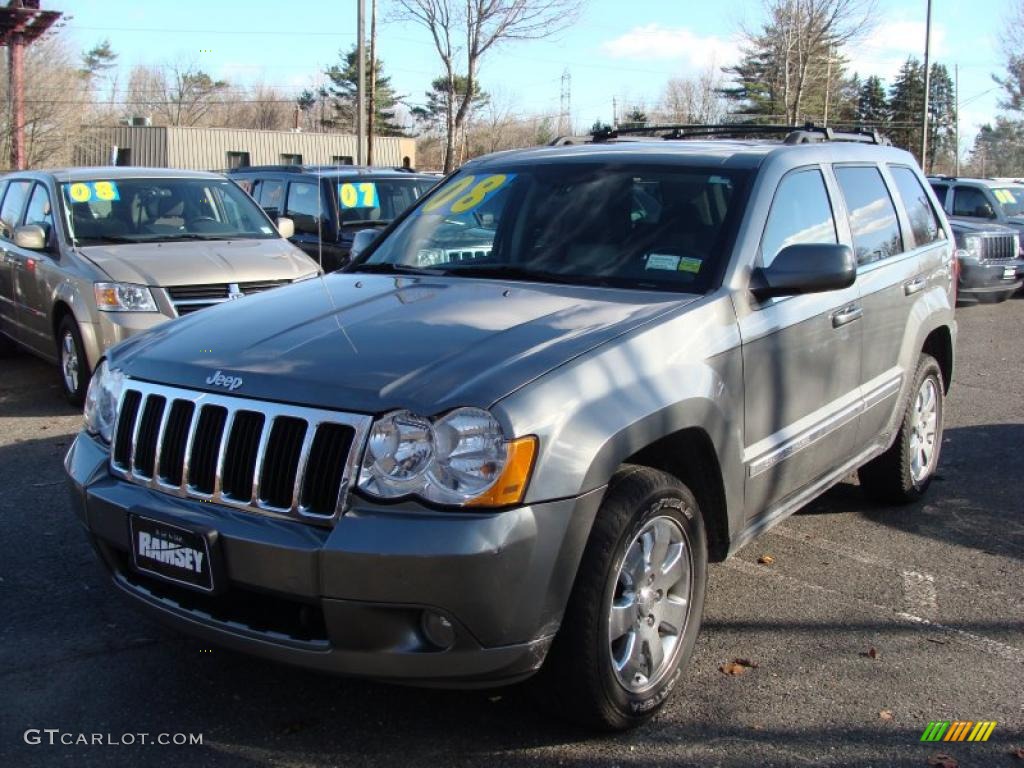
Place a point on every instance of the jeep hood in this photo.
(195, 262)
(371, 343)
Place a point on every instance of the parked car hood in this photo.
(196, 262)
(979, 227)
(370, 343)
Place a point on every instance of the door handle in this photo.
(914, 286)
(847, 315)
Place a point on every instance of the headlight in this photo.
(972, 247)
(123, 297)
(460, 458)
(101, 401)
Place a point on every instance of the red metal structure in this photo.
(21, 23)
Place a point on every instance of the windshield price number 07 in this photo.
(483, 189)
(358, 195)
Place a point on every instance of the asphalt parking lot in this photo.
(867, 624)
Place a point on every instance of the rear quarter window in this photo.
(924, 224)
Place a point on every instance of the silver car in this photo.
(508, 439)
(90, 256)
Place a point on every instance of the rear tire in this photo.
(903, 473)
(74, 367)
(636, 607)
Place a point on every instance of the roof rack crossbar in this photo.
(807, 133)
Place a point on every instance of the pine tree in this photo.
(941, 119)
(906, 100)
(344, 94)
(872, 105)
(432, 116)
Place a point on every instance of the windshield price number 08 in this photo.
(83, 192)
(483, 189)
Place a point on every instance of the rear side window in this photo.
(271, 196)
(924, 224)
(801, 213)
(940, 192)
(14, 202)
(968, 201)
(873, 222)
(304, 207)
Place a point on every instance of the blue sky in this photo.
(617, 49)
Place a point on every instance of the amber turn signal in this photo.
(511, 486)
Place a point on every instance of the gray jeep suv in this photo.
(452, 469)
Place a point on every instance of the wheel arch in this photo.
(939, 344)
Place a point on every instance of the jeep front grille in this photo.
(274, 459)
(999, 247)
(190, 298)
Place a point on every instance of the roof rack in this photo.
(313, 168)
(805, 134)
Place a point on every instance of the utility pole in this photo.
(956, 119)
(615, 113)
(927, 87)
(371, 116)
(565, 116)
(21, 23)
(828, 85)
(361, 85)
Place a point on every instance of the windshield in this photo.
(572, 223)
(1011, 200)
(378, 200)
(148, 210)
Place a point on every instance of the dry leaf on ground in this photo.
(766, 559)
(885, 714)
(1018, 753)
(737, 667)
(943, 761)
(870, 653)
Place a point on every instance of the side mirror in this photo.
(806, 268)
(362, 240)
(286, 227)
(31, 237)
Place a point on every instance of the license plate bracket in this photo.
(173, 553)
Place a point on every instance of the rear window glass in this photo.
(873, 222)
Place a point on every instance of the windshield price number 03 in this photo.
(82, 192)
(358, 195)
(483, 189)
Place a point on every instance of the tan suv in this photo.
(91, 256)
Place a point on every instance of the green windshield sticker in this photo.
(85, 191)
(465, 194)
(690, 264)
(362, 195)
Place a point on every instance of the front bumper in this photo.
(114, 327)
(990, 278)
(351, 599)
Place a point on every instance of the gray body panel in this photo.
(791, 393)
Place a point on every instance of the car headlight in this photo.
(460, 458)
(101, 401)
(123, 297)
(972, 248)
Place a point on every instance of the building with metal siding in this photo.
(221, 148)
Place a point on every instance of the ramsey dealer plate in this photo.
(172, 553)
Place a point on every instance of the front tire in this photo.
(636, 606)
(74, 367)
(903, 473)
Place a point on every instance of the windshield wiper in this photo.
(386, 268)
(187, 236)
(117, 239)
(366, 223)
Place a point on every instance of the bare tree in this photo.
(464, 31)
(797, 40)
(695, 100)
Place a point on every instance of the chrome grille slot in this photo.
(281, 462)
(144, 455)
(272, 459)
(172, 449)
(122, 452)
(202, 462)
(240, 459)
(999, 247)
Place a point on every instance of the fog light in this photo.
(438, 629)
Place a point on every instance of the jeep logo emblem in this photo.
(220, 380)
